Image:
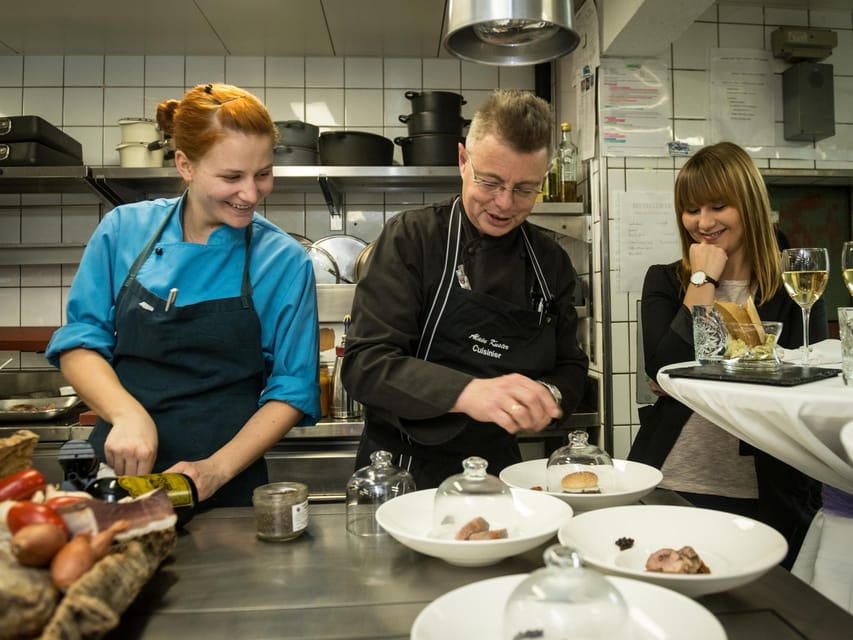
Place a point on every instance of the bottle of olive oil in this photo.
(179, 488)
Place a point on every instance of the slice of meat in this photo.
(491, 534)
(150, 512)
(684, 560)
(471, 527)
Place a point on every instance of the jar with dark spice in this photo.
(281, 510)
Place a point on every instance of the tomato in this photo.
(21, 485)
(60, 501)
(24, 512)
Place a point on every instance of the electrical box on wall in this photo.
(808, 101)
(796, 44)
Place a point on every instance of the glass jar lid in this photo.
(474, 502)
(379, 481)
(579, 466)
(565, 600)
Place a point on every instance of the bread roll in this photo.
(580, 482)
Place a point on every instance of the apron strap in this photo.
(454, 235)
(246, 287)
(146, 251)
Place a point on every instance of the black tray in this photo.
(789, 375)
(37, 129)
(34, 154)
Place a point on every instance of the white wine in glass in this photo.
(805, 272)
(847, 265)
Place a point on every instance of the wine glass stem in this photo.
(806, 311)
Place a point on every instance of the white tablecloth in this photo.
(802, 426)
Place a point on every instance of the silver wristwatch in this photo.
(555, 392)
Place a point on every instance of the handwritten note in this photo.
(648, 234)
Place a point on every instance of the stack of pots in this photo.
(297, 143)
(435, 128)
(142, 143)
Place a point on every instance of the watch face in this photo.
(698, 278)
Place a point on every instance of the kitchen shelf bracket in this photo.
(333, 201)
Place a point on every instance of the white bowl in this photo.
(737, 550)
(473, 612)
(628, 482)
(408, 519)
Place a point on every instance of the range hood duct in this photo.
(510, 32)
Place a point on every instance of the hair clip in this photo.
(208, 88)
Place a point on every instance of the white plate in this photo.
(473, 612)
(736, 549)
(408, 519)
(628, 482)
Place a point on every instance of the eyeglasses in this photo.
(496, 188)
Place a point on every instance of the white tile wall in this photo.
(738, 27)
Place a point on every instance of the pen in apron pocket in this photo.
(173, 293)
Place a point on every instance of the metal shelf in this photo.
(70, 179)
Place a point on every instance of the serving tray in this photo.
(789, 375)
(35, 409)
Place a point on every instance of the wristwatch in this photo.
(700, 277)
(555, 392)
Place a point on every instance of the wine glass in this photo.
(847, 265)
(805, 272)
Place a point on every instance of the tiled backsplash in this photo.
(87, 95)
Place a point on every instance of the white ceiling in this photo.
(384, 28)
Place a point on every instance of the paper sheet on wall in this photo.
(636, 106)
(741, 96)
(646, 226)
(585, 61)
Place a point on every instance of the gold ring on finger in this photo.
(514, 408)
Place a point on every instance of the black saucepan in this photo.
(295, 133)
(434, 122)
(287, 155)
(431, 149)
(435, 101)
(355, 148)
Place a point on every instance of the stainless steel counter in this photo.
(224, 583)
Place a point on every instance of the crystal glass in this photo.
(370, 487)
(565, 600)
(805, 272)
(470, 495)
(847, 265)
(576, 458)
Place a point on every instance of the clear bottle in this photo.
(568, 165)
(369, 488)
(344, 407)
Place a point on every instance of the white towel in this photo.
(823, 352)
(824, 560)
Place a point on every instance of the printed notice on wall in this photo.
(636, 106)
(646, 225)
(741, 96)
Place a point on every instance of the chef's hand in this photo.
(205, 474)
(131, 445)
(514, 402)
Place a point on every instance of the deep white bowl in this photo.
(408, 519)
(736, 549)
(474, 612)
(625, 484)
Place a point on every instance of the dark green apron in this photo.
(517, 340)
(197, 369)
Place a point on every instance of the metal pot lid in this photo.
(325, 268)
(344, 249)
(362, 261)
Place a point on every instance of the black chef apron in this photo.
(485, 337)
(197, 369)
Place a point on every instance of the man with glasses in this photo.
(463, 330)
